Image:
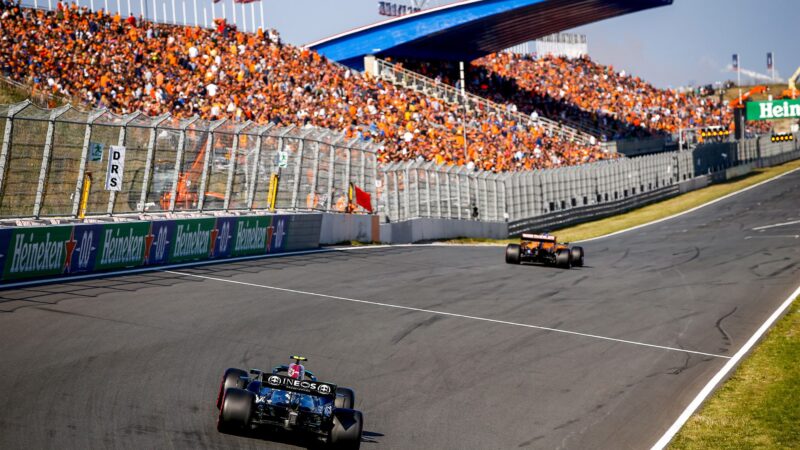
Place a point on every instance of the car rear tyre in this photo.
(577, 256)
(237, 408)
(347, 427)
(231, 379)
(345, 398)
(563, 258)
(512, 254)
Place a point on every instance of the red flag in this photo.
(363, 199)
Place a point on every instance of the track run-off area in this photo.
(446, 346)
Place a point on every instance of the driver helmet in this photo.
(296, 371)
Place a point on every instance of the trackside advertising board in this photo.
(777, 109)
(46, 251)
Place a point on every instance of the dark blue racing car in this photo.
(289, 398)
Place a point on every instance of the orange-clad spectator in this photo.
(221, 73)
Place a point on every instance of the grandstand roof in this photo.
(467, 30)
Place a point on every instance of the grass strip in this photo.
(759, 406)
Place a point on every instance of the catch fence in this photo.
(175, 165)
(171, 165)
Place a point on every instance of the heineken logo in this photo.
(34, 254)
(779, 109)
(191, 240)
(250, 238)
(122, 249)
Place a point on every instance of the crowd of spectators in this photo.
(127, 64)
(580, 91)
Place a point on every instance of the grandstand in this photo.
(586, 95)
(127, 65)
(520, 112)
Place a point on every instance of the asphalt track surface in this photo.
(135, 361)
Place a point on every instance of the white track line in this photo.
(442, 313)
(767, 227)
(712, 384)
(689, 211)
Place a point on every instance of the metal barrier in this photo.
(171, 165)
(582, 214)
(414, 189)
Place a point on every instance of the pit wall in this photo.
(67, 250)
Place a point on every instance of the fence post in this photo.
(298, 168)
(148, 164)
(438, 192)
(179, 163)
(48, 149)
(251, 188)
(396, 195)
(123, 134)
(332, 172)
(362, 179)
(87, 136)
(458, 193)
(347, 171)
(232, 164)
(495, 191)
(449, 191)
(315, 170)
(201, 194)
(12, 111)
(406, 192)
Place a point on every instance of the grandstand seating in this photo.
(125, 64)
(584, 95)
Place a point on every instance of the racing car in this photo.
(544, 249)
(289, 398)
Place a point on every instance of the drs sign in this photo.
(116, 165)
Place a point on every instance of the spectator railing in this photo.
(449, 94)
(171, 165)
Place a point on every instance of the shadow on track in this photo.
(12, 300)
(307, 442)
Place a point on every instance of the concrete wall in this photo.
(340, 228)
(417, 230)
(694, 184)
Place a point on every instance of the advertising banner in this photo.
(251, 235)
(122, 245)
(37, 252)
(5, 240)
(82, 248)
(193, 240)
(225, 237)
(276, 234)
(159, 241)
(776, 109)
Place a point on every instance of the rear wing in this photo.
(538, 237)
(315, 388)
